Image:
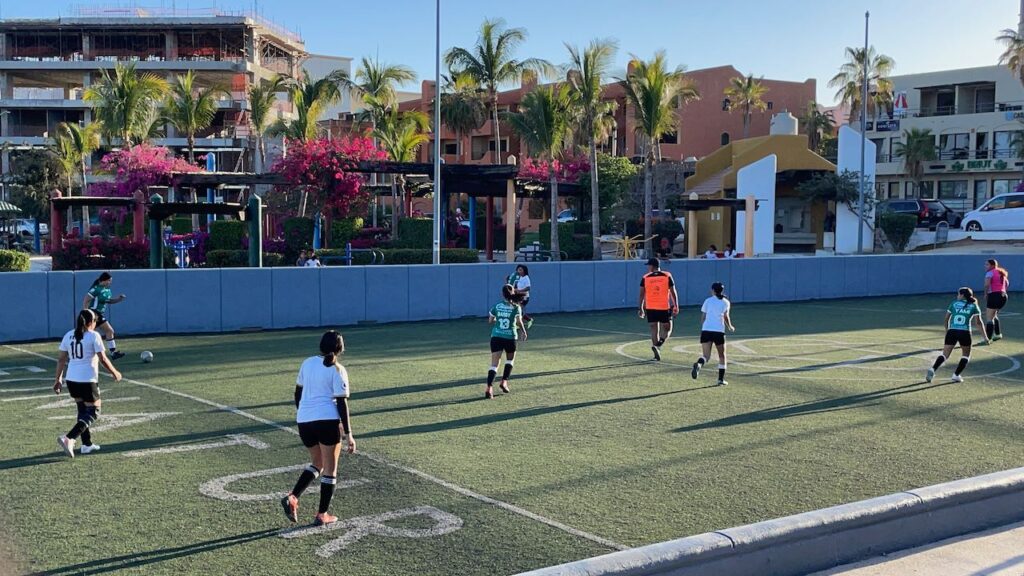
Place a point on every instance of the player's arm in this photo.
(981, 328)
(988, 283)
(675, 299)
(521, 326)
(87, 301)
(948, 316)
(640, 301)
(62, 365)
(109, 365)
(118, 300)
(728, 322)
(491, 319)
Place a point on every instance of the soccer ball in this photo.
(147, 357)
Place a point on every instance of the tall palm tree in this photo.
(262, 97)
(746, 93)
(849, 81)
(916, 148)
(310, 97)
(463, 107)
(587, 69)
(400, 135)
(191, 109)
(1013, 51)
(376, 83)
(124, 102)
(72, 145)
(654, 90)
(544, 123)
(817, 124)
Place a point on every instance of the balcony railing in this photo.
(958, 154)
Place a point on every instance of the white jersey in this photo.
(83, 356)
(320, 386)
(715, 310)
(523, 283)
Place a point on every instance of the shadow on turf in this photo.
(841, 363)
(505, 416)
(812, 407)
(138, 559)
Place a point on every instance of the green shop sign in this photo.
(977, 165)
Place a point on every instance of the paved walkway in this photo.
(998, 552)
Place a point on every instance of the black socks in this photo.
(938, 362)
(77, 430)
(995, 327)
(86, 437)
(507, 372)
(990, 329)
(962, 365)
(305, 479)
(721, 373)
(326, 492)
(491, 374)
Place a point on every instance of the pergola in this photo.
(476, 181)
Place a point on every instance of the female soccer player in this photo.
(658, 303)
(520, 280)
(997, 284)
(96, 300)
(321, 397)
(958, 331)
(507, 318)
(715, 318)
(81, 353)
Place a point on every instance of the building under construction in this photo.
(47, 64)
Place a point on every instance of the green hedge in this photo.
(395, 256)
(344, 230)
(14, 261)
(226, 235)
(415, 233)
(181, 225)
(298, 236)
(575, 246)
(898, 228)
(240, 259)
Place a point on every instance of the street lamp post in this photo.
(437, 139)
(863, 138)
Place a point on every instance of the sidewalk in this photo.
(997, 552)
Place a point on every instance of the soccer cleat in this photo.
(324, 518)
(929, 375)
(723, 383)
(529, 323)
(489, 393)
(290, 504)
(67, 445)
(657, 353)
(504, 386)
(957, 378)
(997, 337)
(88, 449)
(695, 371)
(116, 355)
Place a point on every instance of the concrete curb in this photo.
(823, 538)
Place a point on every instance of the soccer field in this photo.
(597, 447)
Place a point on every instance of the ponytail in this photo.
(999, 269)
(331, 346)
(85, 317)
(102, 278)
(719, 290)
(968, 295)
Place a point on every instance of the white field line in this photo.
(379, 459)
(743, 348)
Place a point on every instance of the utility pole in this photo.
(437, 140)
(864, 137)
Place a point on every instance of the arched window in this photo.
(725, 138)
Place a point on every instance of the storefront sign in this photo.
(1015, 115)
(887, 126)
(978, 166)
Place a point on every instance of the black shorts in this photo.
(84, 391)
(658, 316)
(326, 432)
(996, 300)
(958, 338)
(713, 337)
(100, 319)
(506, 345)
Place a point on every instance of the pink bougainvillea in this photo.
(322, 168)
(567, 170)
(138, 168)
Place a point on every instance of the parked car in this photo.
(567, 215)
(1004, 212)
(26, 228)
(929, 212)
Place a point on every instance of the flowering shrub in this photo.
(100, 254)
(319, 167)
(568, 170)
(138, 168)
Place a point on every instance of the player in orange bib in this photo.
(659, 303)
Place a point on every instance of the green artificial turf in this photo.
(826, 404)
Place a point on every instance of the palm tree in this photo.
(377, 83)
(654, 90)
(400, 135)
(124, 102)
(72, 145)
(262, 97)
(817, 124)
(849, 82)
(310, 97)
(191, 109)
(544, 123)
(587, 70)
(746, 93)
(463, 108)
(1013, 52)
(917, 147)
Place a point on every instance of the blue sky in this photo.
(795, 40)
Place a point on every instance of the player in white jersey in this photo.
(81, 353)
(715, 319)
(321, 397)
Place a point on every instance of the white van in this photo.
(1004, 212)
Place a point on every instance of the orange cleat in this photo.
(324, 518)
(504, 386)
(489, 393)
(290, 504)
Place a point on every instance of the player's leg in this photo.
(947, 349)
(329, 457)
(510, 356)
(290, 503)
(108, 335)
(720, 346)
(705, 345)
(665, 332)
(990, 318)
(965, 358)
(655, 328)
(496, 350)
(87, 443)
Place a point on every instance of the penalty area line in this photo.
(375, 458)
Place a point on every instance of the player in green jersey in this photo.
(959, 316)
(97, 299)
(507, 320)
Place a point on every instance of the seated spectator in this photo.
(313, 261)
(729, 252)
(712, 253)
(665, 248)
(303, 258)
